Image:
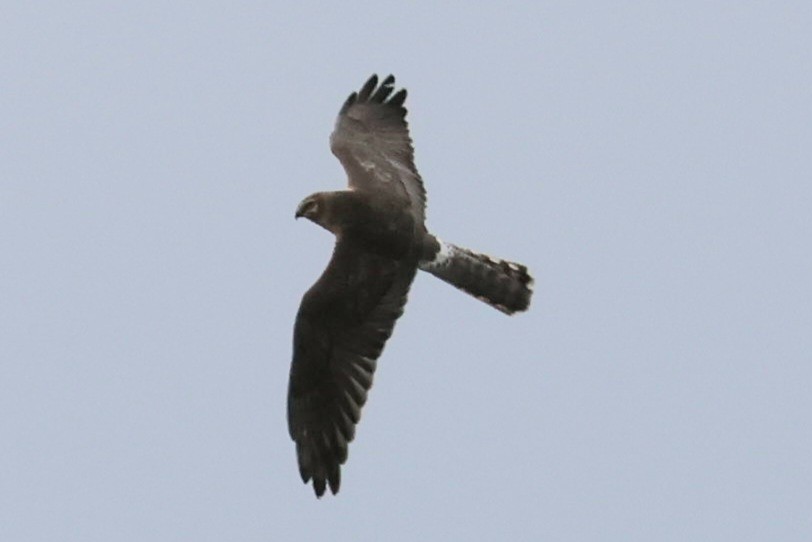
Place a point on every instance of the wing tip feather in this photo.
(367, 88)
(349, 102)
(373, 92)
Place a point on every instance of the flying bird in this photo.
(346, 317)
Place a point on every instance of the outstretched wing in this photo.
(341, 328)
(371, 139)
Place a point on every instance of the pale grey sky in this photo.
(651, 162)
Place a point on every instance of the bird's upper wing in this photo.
(371, 139)
(342, 325)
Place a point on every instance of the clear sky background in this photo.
(651, 162)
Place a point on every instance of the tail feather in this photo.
(504, 285)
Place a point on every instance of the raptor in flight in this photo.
(381, 241)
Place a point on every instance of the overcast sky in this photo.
(651, 162)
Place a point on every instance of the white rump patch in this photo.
(442, 258)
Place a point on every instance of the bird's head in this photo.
(316, 208)
(330, 210)
(310, 207)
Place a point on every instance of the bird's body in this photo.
(346, 317)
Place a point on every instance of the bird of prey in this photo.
(346, 317)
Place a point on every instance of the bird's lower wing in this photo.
(341, 328)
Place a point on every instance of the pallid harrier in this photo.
(381, 241)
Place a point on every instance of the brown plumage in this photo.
(346, 317)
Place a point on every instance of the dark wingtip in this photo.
(318, 467)
(398, 98)
(383, 92)
(371, 91)
(320, 483)
(366, 90)
(351, 99)
(319, 486)
(334, 479)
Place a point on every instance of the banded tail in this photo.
(504, 285)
